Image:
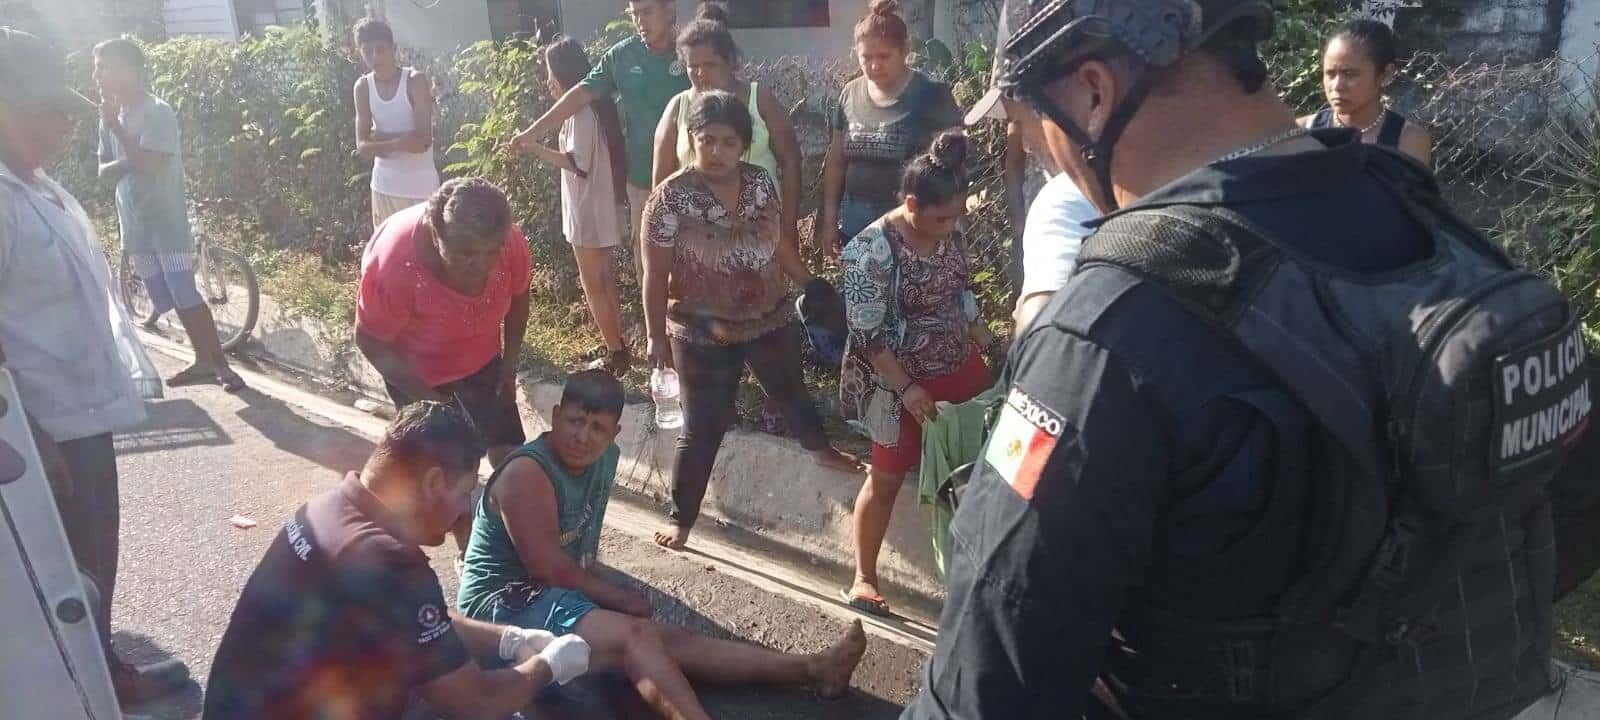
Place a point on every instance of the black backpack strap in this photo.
(1197, 253)
(1393, 125)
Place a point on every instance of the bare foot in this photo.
(831, 669)
(835, 460)
(673, 538)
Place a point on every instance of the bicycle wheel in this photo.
(134, 295)
(228, 284)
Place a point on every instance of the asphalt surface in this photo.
(204, 457)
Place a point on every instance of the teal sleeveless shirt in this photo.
(491, 560)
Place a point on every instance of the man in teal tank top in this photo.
(535, 535)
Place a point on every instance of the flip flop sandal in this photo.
(870, 606)
(231, 382)
(619, 362)
(192, 376)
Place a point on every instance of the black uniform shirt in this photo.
(1136, 448)
(340, 621)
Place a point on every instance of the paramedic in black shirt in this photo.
(343, 619)
(1139, 451)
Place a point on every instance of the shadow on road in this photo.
(904, 624)
(172, 425)
(143, 650)
(330, 446)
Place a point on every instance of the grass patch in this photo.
(303, 286)
(1578, 626)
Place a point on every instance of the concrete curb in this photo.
(762, 485)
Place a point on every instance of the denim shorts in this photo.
(555, 609)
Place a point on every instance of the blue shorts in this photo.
(555, 609)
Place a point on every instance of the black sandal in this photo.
(192, 376)
(230, 381)
(871, 606)
(618, 362)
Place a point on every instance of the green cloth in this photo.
(151, 210)
(953, 439)
(646, 82)
(491, 559)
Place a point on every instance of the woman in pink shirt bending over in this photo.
(443, 306)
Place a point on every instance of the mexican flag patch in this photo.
(1022, 441)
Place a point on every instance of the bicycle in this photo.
(226, 281)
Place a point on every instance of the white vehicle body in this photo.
(51, 663)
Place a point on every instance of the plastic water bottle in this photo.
(664, 391)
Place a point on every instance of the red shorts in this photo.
(960, 386)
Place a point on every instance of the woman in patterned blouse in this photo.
(716, 299)
(908, 297)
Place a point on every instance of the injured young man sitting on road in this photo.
(535, 535)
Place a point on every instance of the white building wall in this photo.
(583, 18)
(440, 30)
(1580, 40)
(70, 24)
(213, 19)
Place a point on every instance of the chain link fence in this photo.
(1517, 151)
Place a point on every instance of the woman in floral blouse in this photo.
(716, 299)
(908, 297)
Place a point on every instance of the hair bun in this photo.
(884, 8)
(714, 12)
(949, 150)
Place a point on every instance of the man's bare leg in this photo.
(634, 646)
(731, 662)
(209, 357)
(629, 643)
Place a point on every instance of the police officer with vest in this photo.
(1223, 483)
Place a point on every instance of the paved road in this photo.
(204, 457)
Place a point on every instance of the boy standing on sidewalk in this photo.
(394, 124)
(140, 152)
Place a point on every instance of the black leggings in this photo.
(709, 377)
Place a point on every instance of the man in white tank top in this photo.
(394, 124)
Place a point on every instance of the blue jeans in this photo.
(855, 215)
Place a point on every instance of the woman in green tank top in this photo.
(710, 56)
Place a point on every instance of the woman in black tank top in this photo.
(1358, 64)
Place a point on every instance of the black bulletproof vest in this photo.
(1443, 394)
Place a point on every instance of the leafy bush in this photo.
(1294, 55)
(504, 85)
(269, 153)
(1557, 231)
